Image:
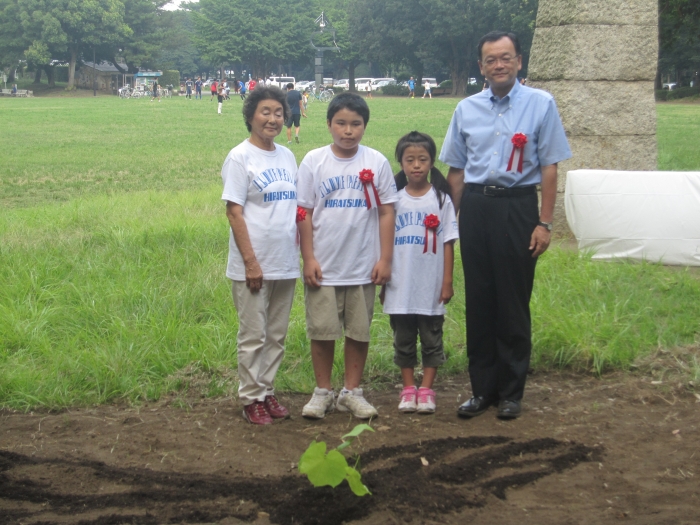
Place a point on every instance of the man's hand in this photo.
(539, 242)
(381, 273)
(253, 276)
(312, 273)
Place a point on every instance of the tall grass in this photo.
(113, 244)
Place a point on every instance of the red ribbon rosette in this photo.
(431, 223)
(367, 180)
(516, 156)
(301, 216)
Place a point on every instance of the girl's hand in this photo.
(382, 294)
(312, 273)
(447, 292)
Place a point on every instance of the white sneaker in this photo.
(354, 402)
(322, 402)
(408, 399)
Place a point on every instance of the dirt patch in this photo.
(585, 451)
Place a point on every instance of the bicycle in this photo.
(322, 95)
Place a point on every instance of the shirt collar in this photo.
(510, 97)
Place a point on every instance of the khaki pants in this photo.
(263, 319)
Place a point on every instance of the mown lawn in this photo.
(113, 244)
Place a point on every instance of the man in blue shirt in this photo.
(500, 145)
(411, 87)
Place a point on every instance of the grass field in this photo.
(113, 244)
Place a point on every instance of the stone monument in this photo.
(598, 58)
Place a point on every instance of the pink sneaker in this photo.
(408, 399)
(426, 401)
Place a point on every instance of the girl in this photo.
(221, 94)
(421, 271)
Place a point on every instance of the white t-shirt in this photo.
(264, 183)
(427, 85)
(416, 277)
(345, 232)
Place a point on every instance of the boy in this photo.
(347, 239)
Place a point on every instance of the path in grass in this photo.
(113, 244)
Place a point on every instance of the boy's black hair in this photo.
(350, 101)
(495, 36)
(437, 179)
(259, 94)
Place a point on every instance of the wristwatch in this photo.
(547, 225)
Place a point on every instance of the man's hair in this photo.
(259, 94)
(495, 36)
(290, 86)
(349, 101)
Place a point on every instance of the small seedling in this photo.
(332, 468)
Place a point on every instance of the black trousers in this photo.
(498, 274)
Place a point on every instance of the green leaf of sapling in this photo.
(355, 481)
(323, 469)
(359, 429)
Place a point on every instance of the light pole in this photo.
(324, 25)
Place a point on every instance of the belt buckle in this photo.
(491, 191)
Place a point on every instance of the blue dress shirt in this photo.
(479, 137)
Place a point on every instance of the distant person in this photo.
(156, 91)
(14, 90)
(411, 88)
(242, 89)
(421, 272)
(251, 84)
(214, 90)
(485, 86)
(188, 88)
(295, 103)
(427, 89)
(263, 259)
(198, 88)
(227, 90)
(221, 95)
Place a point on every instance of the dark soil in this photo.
(585, 451)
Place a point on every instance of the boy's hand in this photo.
(447, 292)
(382, 294)
(312, 273)
(381, 273)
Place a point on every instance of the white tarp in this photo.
(644, 215)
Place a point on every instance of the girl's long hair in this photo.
(437, 179)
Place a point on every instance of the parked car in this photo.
(669, 85)
(303, 84)
(342, 83)
(432, 80)
(379, 83)
(281, 82)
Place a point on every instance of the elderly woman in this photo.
(263, 263)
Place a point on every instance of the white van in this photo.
(281, 82)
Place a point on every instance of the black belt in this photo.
(500, 191)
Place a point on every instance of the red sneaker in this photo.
(257, 414)
(275, 410)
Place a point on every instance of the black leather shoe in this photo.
(474, 407)
(509, 409)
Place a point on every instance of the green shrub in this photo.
(419, 91)
(393, 90)
(683, 92)
(337, 90)
(170, 76)
(661, 95)
(447, 84)
(61, 73)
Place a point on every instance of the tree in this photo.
(679, 40)
(262, 34)
(72, 26)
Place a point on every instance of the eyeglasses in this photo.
(505, 60)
